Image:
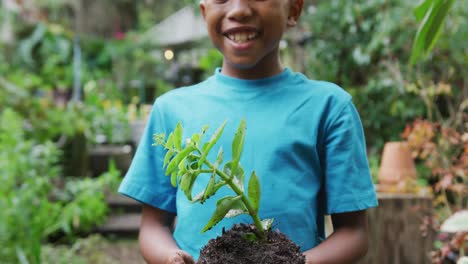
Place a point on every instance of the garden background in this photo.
(77, 80)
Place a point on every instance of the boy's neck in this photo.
(263, 69)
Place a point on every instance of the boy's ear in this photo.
(202, 8)
(295, 10)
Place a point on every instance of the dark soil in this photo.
(232, 248)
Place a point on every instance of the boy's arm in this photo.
(156, 242)
(347, 244)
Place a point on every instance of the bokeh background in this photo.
(78, 78)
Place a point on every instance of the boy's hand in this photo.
(179, 257)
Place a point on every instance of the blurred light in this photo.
(283, 44)
(168, 54)
(311, 9)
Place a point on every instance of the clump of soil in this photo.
(233, 248)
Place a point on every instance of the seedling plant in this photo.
(185, 163)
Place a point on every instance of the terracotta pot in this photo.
(396, 167)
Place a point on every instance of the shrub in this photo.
(33, 204)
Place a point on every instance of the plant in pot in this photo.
(255, 243)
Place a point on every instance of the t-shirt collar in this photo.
(243, 84)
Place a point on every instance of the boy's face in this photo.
(248, 32)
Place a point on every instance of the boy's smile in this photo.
(242, 35)
(242, 38)
(248, 32)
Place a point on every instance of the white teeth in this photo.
(242, 37)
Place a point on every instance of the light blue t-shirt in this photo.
(304, 139)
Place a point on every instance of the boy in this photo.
(304, 139)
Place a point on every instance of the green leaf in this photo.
(254, 191)
(437, 22)
(178, 133)
(178, 158)
(170, 142)
(200, 197)
(159, 139)
(222, 208)
(168, 156)
(251, 237)
(421, 10)
(196, 138)
(237, 146)
(204, 129)
(174, 179)
(237, 208)
(430, 28)
(267, 223)
(209, 190)
(211, 143)
(187, 181)
(219, 158)
(26, 47)
(238, 178)
(182, 166)
(205, 146)
(194, 165)
(219, 185)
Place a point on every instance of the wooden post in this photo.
(395, 230)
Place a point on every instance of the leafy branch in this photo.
(184, 164)
(431, 14)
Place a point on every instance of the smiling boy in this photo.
(304, 139)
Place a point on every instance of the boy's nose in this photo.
(239, 10)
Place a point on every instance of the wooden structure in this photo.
(104, 18)
(396, 230)
(183, 28)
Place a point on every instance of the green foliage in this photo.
(108, 118)
(125, 66)
(33, 205)
(212, 59)
(47, 52)
(350, 38)
(365, 47)
(355, 45)
(385, 107)
(46, 120)
(93, 249)
(27, 169)
(431, 14)
(186, 163)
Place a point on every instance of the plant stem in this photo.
(253, 214)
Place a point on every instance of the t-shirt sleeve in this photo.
(145, 180)
(348, 184)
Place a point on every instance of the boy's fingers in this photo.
(186, 257)
(183, 258)
(177, 260)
